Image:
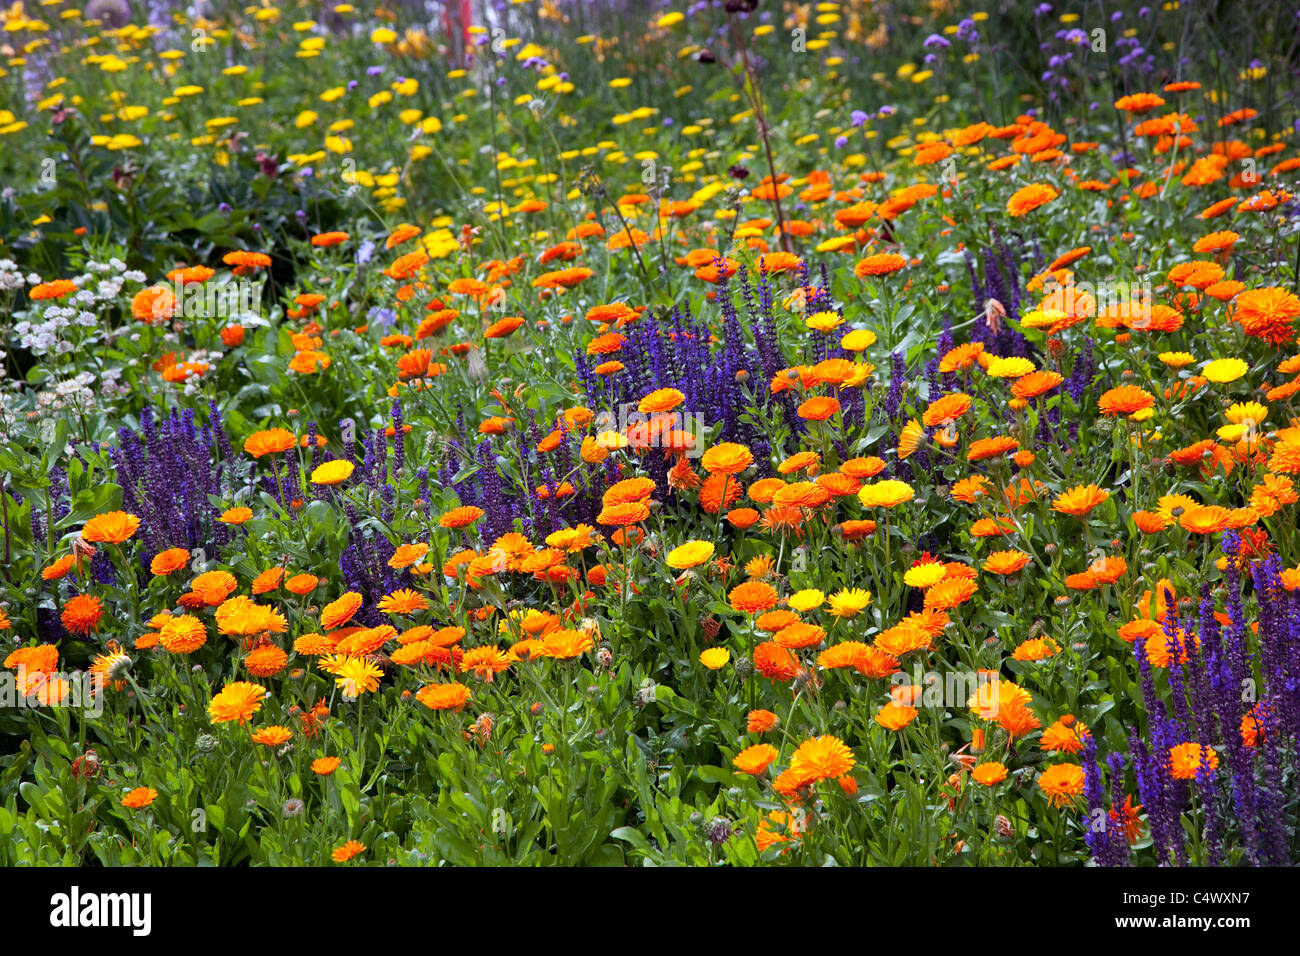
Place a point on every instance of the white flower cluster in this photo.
(101, 284)
(74, 393)
(11, 277)
(44, 336)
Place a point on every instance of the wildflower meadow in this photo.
(606, 433)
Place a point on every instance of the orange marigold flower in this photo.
(238, 701)
(154, 304)
(1062, 783)
(751, 597)
(213, 587)
(409, 554)
(950, 593)
(301, 584)
(273, 736)
(776, 262)
(754, 760)
(113, 527)
(169, 561)
(1035, 384)
(182, 634)
(775, 662)
(1125, 400)
(623, 515)
(486, 661)
(1005, 562)
(246, 260)
(1035, 649)
(727, 458)
(895, 716)
(1030, 198)
(1079, 500)
(55, 289)
(1065, 735)
(139, 798)
(266, 660)
(339, 612)
(347, 851)
(1185, 760)
(947, 409)
(822, 757)
(878, 265)
(1139, 102)
(271, 441)
(983, 448)
(876, 663)
(453, 696)
(1205, 519)
(82, 614)
(1267, 314)
(961, 358)
(818, 408)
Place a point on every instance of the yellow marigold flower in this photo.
(332, 472)
(1013, 367)
(925, 575)
(690, 555)
(806, 600)
(885, 494)
(1225, 370)
(849, 602)
(858, 340)
(358, 676)
(715, 658)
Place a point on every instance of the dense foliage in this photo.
(625, 433)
